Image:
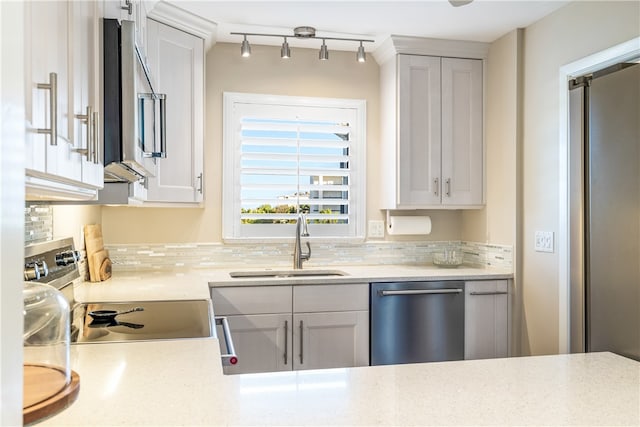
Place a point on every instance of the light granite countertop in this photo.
(180, 284)
(181, 383)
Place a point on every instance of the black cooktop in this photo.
(157, 320)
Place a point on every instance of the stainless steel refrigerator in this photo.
(605, 211)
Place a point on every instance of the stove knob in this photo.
(35, 270)
(67, 257)
(31, 272)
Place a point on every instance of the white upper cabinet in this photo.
(53, 52)
(87, 102)
(432, 125)
(176, 60)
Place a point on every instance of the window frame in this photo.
(232, 230)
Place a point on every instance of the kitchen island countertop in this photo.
(181, 383)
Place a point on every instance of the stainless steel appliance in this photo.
(604, 209)
(56, 263)
(134, 113)
(415, 322)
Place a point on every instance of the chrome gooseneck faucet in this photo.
(301, 231)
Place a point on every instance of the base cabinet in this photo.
(486, 333)
(324, 326)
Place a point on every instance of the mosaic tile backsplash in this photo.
(264, 255)
(38, 223)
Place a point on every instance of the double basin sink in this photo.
(285, 273)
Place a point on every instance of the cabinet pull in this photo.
(52, 87)
(286, 342)
(488, 293)
(436, 185)
(128, 6)
(97, 158)
(88, 121)
(200, 184)
(301, 343)
(448, 182)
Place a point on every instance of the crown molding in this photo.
(395, 45)
(176, 17)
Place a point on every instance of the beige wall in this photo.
(69, 220)
(265, 72)
(573, 32)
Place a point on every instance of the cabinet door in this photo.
(419, 131)
(486, 319)
(86, 90)
(262, 343)
(47, 44)
(462, 152)
(176, 62)
(331, 340)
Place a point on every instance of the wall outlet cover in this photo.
(544, 241)
(375, 229)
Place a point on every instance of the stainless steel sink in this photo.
(286, 273)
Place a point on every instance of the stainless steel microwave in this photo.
(134, 113)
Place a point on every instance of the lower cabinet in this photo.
(486, 319)
(315, 326)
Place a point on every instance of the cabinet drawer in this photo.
(251, 300)
(315, 298)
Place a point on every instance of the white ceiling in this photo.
(482, 20)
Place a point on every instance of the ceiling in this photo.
(482, 20)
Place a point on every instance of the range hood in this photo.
(134, 113)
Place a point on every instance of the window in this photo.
(284, 155)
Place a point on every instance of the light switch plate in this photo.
(375, 229)
(544, 241)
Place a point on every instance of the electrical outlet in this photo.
(376, 229)
(544, 241)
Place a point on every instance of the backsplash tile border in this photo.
(128, 257)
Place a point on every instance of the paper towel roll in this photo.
(409, 225)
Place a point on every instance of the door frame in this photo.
(618, 53)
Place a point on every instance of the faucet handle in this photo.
(308, 254)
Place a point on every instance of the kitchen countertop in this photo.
(181, 383)
(194, 283)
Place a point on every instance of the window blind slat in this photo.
(329, 128)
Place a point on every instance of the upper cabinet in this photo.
(176, 60)
(56, 55)
(432, 126)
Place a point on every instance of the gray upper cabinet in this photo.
(432, 127)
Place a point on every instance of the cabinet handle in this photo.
(88, 121)
(489, 293)
(286, 342)
(128, 6)
(301, 343)
(52, 87)
(448, 182)
(436, 185)
(200, 183)
(97, 158)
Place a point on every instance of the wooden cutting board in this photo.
(97, 256)
(95, 263)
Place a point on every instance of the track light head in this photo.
(324, 52)
(285, 52)
(245, 49)
(361, 56)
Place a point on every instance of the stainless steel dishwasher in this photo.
(415, 322)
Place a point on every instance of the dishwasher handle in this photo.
(386, 293)
(230, 358)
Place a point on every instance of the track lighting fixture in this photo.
(324, 52)
(303, 33)
(285, 52)
(361, 56)
(245, 49)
